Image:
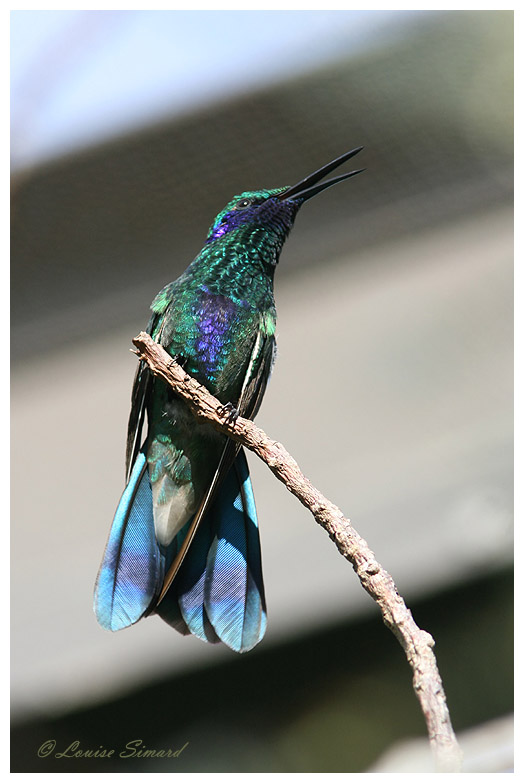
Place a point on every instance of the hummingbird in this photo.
(184, 542)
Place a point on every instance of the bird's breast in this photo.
(224, 331)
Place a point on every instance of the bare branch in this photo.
(418, 644)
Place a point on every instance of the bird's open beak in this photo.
(308, 187)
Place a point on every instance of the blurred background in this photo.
(130, 131)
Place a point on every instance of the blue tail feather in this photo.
(218, 593)
(132, 567)
(183, 606)
(234, 592)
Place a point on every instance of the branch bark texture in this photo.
(417, 643)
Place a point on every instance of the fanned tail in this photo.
(218, 593)
(132, 567)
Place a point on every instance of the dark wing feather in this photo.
(140, 396)
(257, 377)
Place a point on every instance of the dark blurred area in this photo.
(399, 284)
(323, 703)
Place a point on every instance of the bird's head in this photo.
(274, 211)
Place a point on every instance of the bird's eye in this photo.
(246, 202)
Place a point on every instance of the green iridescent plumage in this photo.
(188, 507)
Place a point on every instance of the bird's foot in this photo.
(178, 359)
(229, 412)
